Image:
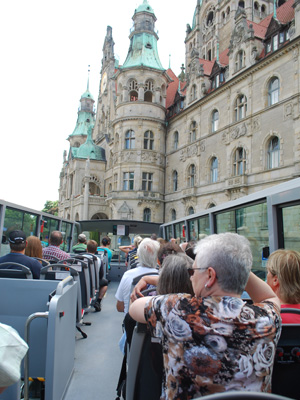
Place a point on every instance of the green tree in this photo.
(51, 207)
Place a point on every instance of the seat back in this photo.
(14, 270)
(145, 366)
(42, 261)
(102, 255)
(286, 369)
(89, 260)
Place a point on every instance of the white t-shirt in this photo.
(124, 289)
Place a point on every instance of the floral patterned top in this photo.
(214, 344)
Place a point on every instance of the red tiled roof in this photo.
(172, 88)
(259, 30)
(285, 14)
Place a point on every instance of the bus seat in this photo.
(42, 261)
(286, 369)
(19, 271)
(239, 395)
(145, 366)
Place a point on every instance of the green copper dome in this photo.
(90, 150)
(145, 7)
(84, 121)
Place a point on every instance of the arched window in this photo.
(214, 170)
(191, 211)
(148, 90)
(214, 120)
(193, 128)
(240, 60)
(133, 90)
(173, 214)
(256, 6)
(240, 107)
(273, 91)
(94, 190)
(194, 93)
(192, 175)
(147, 215)
(239, 162)
(242, 4)
(148, 140)
(129, 139)
(273, 153)
(175, 181)
(176, 140)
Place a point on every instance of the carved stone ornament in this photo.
(256, 125)
(288, 111)
(188, 152)
(292, 31)
(239, 131)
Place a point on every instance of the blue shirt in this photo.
(109, 254)
(31, 263)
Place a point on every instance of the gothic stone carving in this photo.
(239, 131)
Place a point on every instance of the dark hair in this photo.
(105, 241)
(174, 276)
(153, 236)
(17, 246)
(167, 249)
(56, 238)
(91, 246)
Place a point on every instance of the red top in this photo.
(290, 318)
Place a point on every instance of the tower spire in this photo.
(275, 11)
(88, 80)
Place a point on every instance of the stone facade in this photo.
(227, 127)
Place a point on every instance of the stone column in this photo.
(141, 92)
(86, 190)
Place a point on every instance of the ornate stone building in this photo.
(166, 146)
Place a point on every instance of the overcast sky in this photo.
(46, 47)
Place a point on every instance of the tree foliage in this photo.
(51, 207)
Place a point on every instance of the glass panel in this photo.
(48, 225)
(17, 220)
(169, 232)
(66, 230)
(291, 223)
(199, 228)
(250, 222)
(179, 232)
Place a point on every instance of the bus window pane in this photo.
(291, 222)
(199, 228)
(179, 232)
(66, 232)
(169, 232)
(250, 222)
(193, 229)
(48, 225)
(17, 220)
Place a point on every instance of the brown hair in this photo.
(285, 264)
(174, 276)
(34, 247)
(167, 249)
(91, 246)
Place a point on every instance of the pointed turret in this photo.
(143, 40)
(85, 119)
(89, 150)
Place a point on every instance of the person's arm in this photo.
(260, 291)
(125, 249)
(120, 306)
(142, 284)
(136, 309)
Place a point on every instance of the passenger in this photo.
(12, 350)
(284, 278)
(53, 250)
(17, 242)
(132, 258)
(105, 246)
(92, 249)
(167, 249)
(214, 341)
(153, 236)
(147, 254)
(80, 246)
(34, 247)
(162, 241)
(174, 276)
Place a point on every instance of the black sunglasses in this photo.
(191, 271)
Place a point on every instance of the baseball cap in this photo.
(12, 350)
(82, 236)
(17, 237)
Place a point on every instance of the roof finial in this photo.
(88, 81)
(275, 13)
(218, 49)
(169, 61)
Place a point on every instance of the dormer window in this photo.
(148, 46)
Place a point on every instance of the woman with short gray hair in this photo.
(214, 341)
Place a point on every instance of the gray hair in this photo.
(137, 240)
(174, 276)
(147, 253)
(229, 254)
